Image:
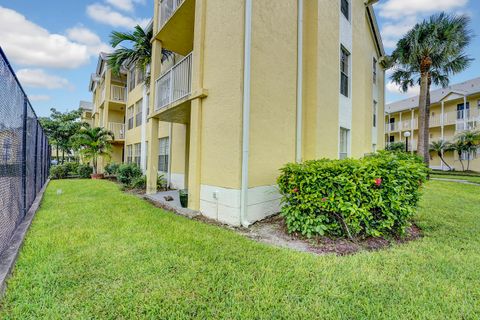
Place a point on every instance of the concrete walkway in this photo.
(160, 200)
(457, 181)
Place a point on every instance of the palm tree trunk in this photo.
(426, 128)
(440, 155)
(95, 165)
(57, 154)
(422, 113)
(63, 156)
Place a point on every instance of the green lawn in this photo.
(94, 252)
(455, 177)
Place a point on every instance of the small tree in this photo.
(440, 147)
(94, 143)
(459, 148)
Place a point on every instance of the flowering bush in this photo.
(373, 196)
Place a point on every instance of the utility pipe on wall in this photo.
(298, 151)
(246, 113)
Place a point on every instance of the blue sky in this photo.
(53, 44)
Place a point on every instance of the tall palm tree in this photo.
(440, 147)
(471, 142)
(430, 53)
(138, 53)
(94, 143)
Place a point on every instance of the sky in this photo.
(53, 45)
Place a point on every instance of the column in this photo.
(400, 126)
(465, 113)
(412, 128)
(194, 161)
(152, 167)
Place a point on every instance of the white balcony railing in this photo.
(175, 84)
(118, 130)
(118, 93)
(167, 9)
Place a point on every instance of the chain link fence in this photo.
(24, 153)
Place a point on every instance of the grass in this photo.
(95, 252)
(475, 179)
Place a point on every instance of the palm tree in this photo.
(94, 143)
(139, 53)
(440, 147)
(430, 53)
(459, 148)
(470, 141)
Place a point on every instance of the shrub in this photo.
(59, 172)
(396, 147)
(139, 183)
(112, 168)
(161, 182)
(71, 167)
(374, 196)
(126, 173)
(84, 171)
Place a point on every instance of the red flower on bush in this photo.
(324, 199)
(295, 190)
(378, 182)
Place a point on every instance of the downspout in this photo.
(246, 113)
(170, 143)
(143, 139)
(298, 151)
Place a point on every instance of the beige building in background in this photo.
(453, 110)
(255, 85)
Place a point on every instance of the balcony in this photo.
(118, 130)
(176, 20)
(175, 84)
(118, 93)
(167, 9)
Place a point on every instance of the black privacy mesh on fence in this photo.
(24, 153)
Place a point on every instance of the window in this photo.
(130, 118)
(461, 113)
(138, 113)
(163, 153)
(137, 153)
(374, 113)
(391, 139)
(129, 154)
(344, 136)
(131, 79)
(344, 6)
(148, 106)
(140, 77)
(392, 124)
(374, 70)
(7, 150)
(344, 70)
(468, 155)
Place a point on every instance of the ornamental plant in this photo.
(374, 196)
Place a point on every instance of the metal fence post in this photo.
(36, 158)
(24, 155)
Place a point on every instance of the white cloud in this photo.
(28, 44)
(393, 31)
(394, 88)
(398, 9)
(85, 36)
(38, 78)
(106, 15)
(39, 97)
(125, 5)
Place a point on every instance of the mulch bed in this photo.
(274, 231)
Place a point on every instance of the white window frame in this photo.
(137, 153)
(138, 113)
(130, 117)
(344, 143)
(129, 154)
(346, 15)
(345, 71)
(163, 154)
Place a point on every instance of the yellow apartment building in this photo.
(255, 85)
(86, 108)
(453, 110)
(109, 103)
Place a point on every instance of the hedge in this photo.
(374, 196)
